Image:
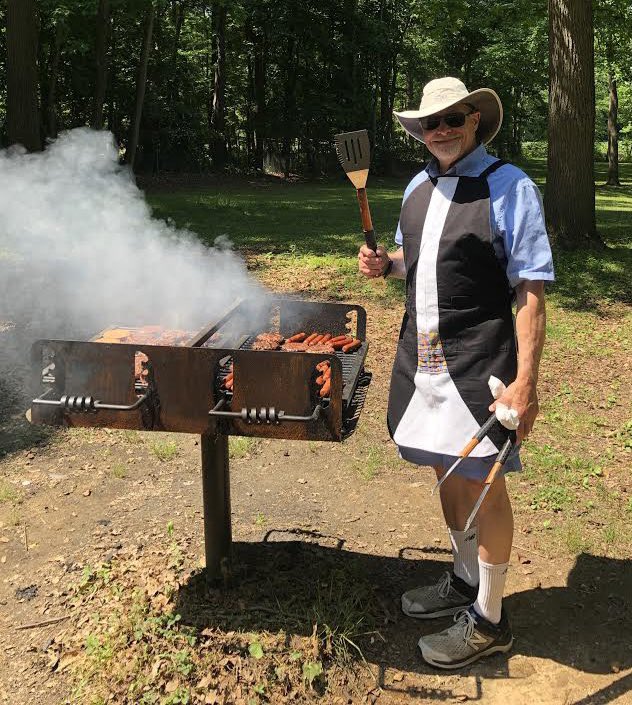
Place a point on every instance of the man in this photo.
(471, 238)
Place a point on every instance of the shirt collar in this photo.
(470, 165)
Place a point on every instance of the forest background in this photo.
(196, 85)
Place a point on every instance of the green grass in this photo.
(316, 226)
(242, 446)
(164, 450)
(8, 493)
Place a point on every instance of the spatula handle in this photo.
(367, 223)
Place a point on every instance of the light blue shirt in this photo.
(516, 214)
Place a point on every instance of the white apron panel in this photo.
(436, 418)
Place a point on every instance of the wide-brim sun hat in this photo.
(443, 93)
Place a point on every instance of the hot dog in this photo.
(309, 338)
(297, 338)
(325, 389)
(350, 347)
(341, 343)
(322, 365)
(326, 338)
(316, 340)
(338, 338)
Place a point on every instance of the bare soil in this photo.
(87, 497)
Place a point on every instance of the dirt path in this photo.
(94, 496)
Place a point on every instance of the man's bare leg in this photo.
(495, 534)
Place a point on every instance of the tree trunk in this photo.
(218, 109)
(613, 133)
(103, 36)
(570, 186)
(140, 86)
(23, 119)
(53, 72)
(260, 94)
(178, 13)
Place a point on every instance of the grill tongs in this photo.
(493, 473)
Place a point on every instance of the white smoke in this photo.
(79, 249)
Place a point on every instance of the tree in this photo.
(141, 84)
(102, 40)
(570, 187)
(218, 105)
(613, 26)
(23, 118)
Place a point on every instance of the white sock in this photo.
(465, 553)
(490, 590)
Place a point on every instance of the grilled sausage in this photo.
(325, 389)
(338, 338)
(297, 338)
(316, 340)
(341, 343)
(350, 347)
(309, 338)
(322, 365)
(326, 338)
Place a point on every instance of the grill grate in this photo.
(352, 364)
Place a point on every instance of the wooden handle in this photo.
(363, 201)
(469, 447)
(493, 472)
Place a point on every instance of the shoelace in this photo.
(443, 586)
(464, 620)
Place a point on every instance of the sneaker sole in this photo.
(503, 648)
(438, 613)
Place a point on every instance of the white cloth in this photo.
(508, 417)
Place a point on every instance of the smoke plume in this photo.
(79, 251)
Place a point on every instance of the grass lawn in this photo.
(303, 237)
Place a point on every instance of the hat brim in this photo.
(485, 100)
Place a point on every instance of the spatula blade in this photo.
(354, 150)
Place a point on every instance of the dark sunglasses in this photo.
(451, 120)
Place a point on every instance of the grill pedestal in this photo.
(216, 506)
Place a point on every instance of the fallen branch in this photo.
(44, 623)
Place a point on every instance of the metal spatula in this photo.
(354, 153)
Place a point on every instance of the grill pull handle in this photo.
(263, 415)
(87, 404)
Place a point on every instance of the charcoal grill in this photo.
(275, 395)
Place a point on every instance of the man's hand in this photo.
(523, 397)
(371, 264)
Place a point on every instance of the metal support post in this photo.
(216, 505)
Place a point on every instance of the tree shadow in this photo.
(588, 279)
(285, 584)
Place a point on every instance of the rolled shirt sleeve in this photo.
(520, 223)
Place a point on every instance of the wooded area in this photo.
(193, 85)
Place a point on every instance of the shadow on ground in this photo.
(290, 585)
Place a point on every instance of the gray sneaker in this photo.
(448, 596)
(470, 638)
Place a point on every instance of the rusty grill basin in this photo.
(180, 386)
(275, 395)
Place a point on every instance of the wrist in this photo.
(387, 269)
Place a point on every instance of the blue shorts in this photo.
(472, 468)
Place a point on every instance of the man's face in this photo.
(449, 144)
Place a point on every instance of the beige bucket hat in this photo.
(442, 93)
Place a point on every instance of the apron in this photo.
(458, 326)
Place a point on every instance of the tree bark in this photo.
(141, 84)
(218, 109)
(53, 72)
(613, 133)
(23, 118)
(570, 186)
(102, 42)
